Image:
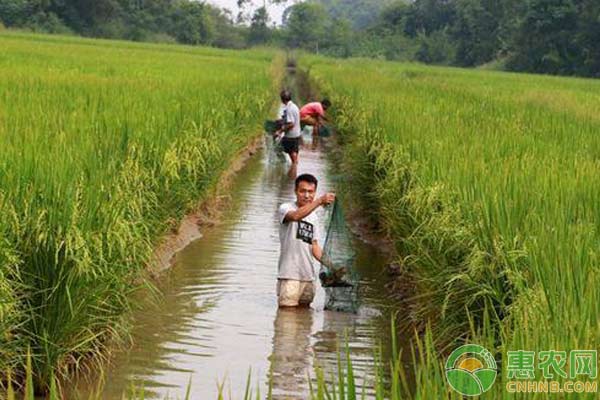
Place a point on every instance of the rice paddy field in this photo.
(105, 146)
(487, 183)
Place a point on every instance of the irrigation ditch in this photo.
(216, 323)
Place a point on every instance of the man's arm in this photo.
(305, 210)
(285, 128)
(317, 251)
(288, 122)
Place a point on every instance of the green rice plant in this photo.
(390, 379)
(106, 146)
(487, 184)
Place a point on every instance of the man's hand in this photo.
(306, 209)
(327, 199)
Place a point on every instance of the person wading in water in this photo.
(291, 130)
(298, 236)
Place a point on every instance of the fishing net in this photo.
(273, 145)
(338, 274)
(324, 130)
(272, 126)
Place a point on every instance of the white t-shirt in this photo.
(296, 260)
(293, 117)
(281, 111)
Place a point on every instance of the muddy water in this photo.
(218, 316)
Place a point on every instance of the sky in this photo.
(275, 11)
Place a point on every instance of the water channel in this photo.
(218, 316)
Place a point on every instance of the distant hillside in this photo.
(361, 13)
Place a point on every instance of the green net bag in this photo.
(273, 146)
(338, 274)
(271, 126)
(325, 131)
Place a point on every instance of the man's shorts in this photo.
(290, 145)
(292, 293)
(309, 120)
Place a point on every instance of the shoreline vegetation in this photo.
(107, 145)
(486, 183)
(558, 37)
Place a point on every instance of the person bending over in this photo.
(313, 114)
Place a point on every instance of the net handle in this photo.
(329, 227)
(333, 210)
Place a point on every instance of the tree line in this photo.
(542, 36)
(181, 21)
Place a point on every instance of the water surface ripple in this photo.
(218, 314)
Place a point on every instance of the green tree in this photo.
(543, 39)
(588, 37)
(226, 33)
(359, 13)
(13, 12)
(259, 29)
(192, 23)
(431, 15)
(395, 17)
(475, 32)
(337, 41)
(306, 26)
(435, 48)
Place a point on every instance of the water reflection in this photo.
(218, 315)
(291, 359)
(303, 337)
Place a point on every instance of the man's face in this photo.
(305, 193)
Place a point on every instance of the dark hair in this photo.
(285, 96)
(326, 103)
(305, 178)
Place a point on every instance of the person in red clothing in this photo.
(313, 114)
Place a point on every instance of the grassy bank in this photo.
(105, 146)
(488, 185)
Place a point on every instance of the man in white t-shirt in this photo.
(298, 235)
(291, 128)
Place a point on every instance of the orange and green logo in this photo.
(471, 370)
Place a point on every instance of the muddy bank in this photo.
(205, 216)
(219, 301)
